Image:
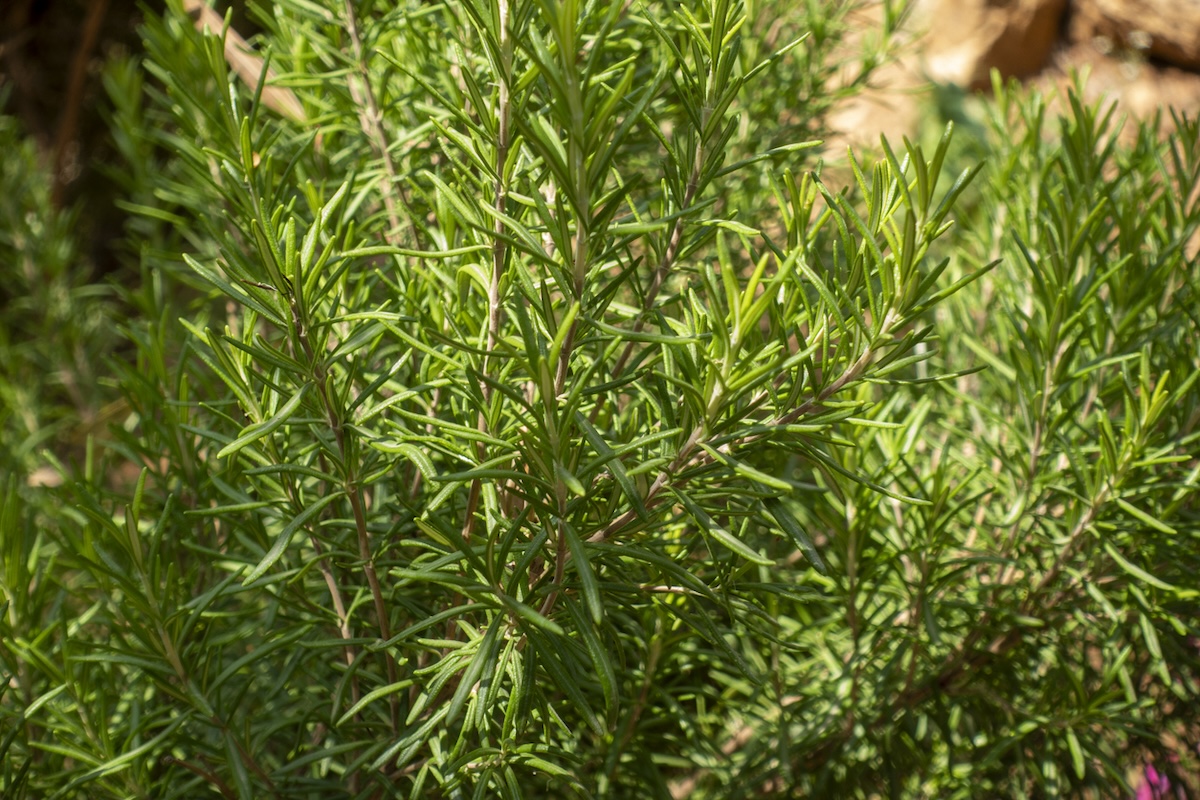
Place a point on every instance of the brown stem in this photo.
(560, 567)
(339, 605)
(664, 265)
(381, 613)
(331, 583)
(69, 125)
(208, 775)
(354, 495)
(499, 246)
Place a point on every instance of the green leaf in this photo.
(1142, 516)
(1134, 569)
(528, 614)
(244, 297)
(253, 433)
(710, 526)
(583, 566)
(564, 680)
(791, 526)
(415, 454)
(1076, 753)
(570, 481)
(731, 225)
(485, 653)
(746, 471)
(285, 536)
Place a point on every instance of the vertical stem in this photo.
(364, 552)
(69, 125)
(499, 247)
(354, 495)
(339, 608)
(673, 244)
(560, 563)
(576, 142)
(665, 264)
(331, 582)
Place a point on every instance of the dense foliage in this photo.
(510, 404)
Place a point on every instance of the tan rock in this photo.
(890, 102)
(1139, 89)
(968, 38)
(1165, 29)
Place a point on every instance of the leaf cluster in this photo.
(528, 415)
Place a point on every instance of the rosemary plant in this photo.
(521, 410)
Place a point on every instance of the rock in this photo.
(968, 38)
(952, 42)
(1139, 89)
(1165, 29)
(956, 43)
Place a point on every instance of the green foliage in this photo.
(55, 324)
(54, 328)
(528, 417)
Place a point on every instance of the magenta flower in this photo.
(1154, 787)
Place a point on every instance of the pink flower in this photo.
(1154, 787)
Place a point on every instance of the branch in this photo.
(499, 248)
(688, 457)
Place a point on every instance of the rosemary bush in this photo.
(528, 417)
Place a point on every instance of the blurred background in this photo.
(1143, 54)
